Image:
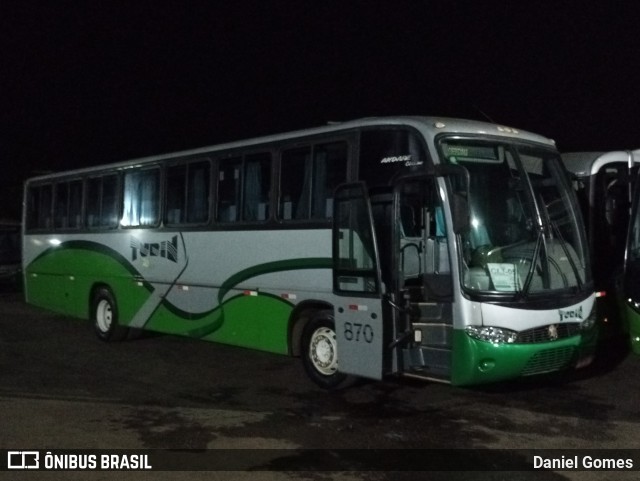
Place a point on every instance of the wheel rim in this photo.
(323, 351)
(104, 315)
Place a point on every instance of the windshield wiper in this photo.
(534, 260)
(563, 244)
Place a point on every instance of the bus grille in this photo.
(548, 333)
(549, 360)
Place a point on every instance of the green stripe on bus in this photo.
(260, 269)
(214, 318)
(89, 246)
(271, 267)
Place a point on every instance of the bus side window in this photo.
(61, 205)
(94, 195)
(329, 170)
(229, 178)
(176, 185)
(293, 179)
(141, 199)
(68, 205)
(256, 186)
(75, 204)
(244, 185)
(308, 177)
(187, 193)
(102, 202)
(198, 195)
(39, 204)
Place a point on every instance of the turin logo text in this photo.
(570, 314)
(167, 249)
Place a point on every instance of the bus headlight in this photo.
(496, 335)
(590, 321)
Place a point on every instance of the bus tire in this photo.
(320, 353)
(104, 311)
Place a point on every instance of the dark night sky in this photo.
(88, 82)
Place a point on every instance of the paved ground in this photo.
(61, 388)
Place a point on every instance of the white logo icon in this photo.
(23, 460)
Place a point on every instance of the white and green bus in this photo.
(628, 280)
(441, 249)
(604, 184)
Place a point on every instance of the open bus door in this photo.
(392, 269)
(358, 315)
(423, 280)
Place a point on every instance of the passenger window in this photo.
(141, 198)
(229, 193)
(244, 185)
(293, 201)
(188, 193)
(309, 175)
(102, 202)
(61, 205)
(68, 205)
(75, 204)
(39, 203)
(257, 181)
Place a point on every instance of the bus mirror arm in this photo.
(459, 200)
(459, 212)
(446, 170)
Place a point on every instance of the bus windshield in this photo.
(525, 235)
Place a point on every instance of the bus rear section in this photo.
(629, 280)
(604, 183)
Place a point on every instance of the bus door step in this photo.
(434, 361)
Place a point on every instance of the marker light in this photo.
(507, 130)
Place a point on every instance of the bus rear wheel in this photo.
(320, 353)
(105, 316)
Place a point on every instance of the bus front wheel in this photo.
(105, 316)
(320, 353)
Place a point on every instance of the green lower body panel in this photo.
(479, 362)
(255, 321)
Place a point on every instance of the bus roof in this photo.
(584, 164)
(429, 126)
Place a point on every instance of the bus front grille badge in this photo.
(552, 331)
